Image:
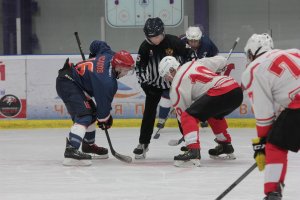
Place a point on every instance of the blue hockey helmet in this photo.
(99, 47)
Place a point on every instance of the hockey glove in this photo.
(106, 124)
(259, 152)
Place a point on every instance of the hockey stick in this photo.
(233, 47)
(175, 142)
(79, 45)
(246, 173)
(120, 157)
(229, 54)
(157, 134)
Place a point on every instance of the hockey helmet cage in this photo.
(193, 33)
(166, 64)
(258, 43)
(153, 27)
(123, 59)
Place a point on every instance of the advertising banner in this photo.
(42, 99)
(28, 89)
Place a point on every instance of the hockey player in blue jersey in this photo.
(76, 85)
(201, 44)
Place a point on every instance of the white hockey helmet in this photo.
(258, 43)
(193, 33)
(166, 64)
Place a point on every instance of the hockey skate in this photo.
(184, 148)
(161, 123)
(223, 151)
(140, 151)
(95, 151)
(273, 196)
(190, 158)
(276, 195)
(74, 157)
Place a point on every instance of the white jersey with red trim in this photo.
(272, 81)
(196, 78)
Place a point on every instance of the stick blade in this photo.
(157, 134)
(175, 142)
(123, 158)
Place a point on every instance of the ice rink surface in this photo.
(31, 169)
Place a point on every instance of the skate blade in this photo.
(139, 157)
(187, 164)
(96, 156)
(74, 162)
(223, 157)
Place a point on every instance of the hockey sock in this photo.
(164, 107)
(190, 130)
(163, 112)
(76, 135)
(219, 128)
(276, 166)
(90, 134)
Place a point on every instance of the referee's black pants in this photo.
(153, 96)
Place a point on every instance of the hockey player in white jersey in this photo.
(199, 94)
(272, 82)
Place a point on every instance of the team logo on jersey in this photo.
(10, 105)
(169, 52)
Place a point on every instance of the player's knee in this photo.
(85, 120)
(189, 121)
(91, 128)
(275, 154)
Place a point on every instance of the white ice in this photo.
(31, 169)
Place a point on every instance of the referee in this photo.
(155, 47)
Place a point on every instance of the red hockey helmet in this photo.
(123, 59)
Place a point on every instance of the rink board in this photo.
(30, 82)
(25, 124)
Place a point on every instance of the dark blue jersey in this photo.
(96, 77)
(207, 47)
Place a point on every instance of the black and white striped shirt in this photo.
(149, 57)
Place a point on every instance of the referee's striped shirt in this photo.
(149, 57)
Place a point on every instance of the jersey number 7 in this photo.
(283, 62)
